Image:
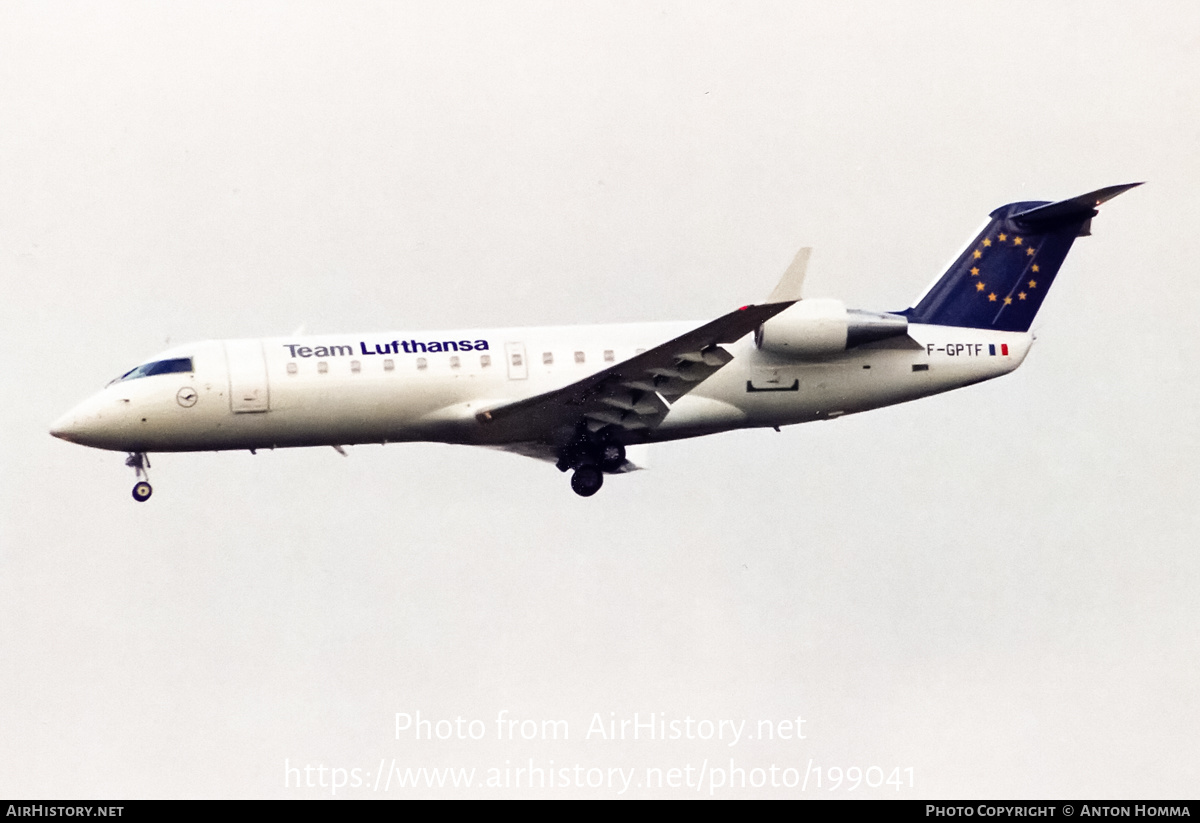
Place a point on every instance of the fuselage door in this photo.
(248, 390)
(514, 354)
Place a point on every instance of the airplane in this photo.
(589, 398)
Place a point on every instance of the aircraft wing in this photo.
(635, 393)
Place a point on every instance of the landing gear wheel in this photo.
(142, 491)
(612, 457)
(587, 480)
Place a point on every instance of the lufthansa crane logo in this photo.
(187, 397)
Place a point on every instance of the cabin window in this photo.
(547, 358)
(422, 363)
(355, 366)
(485, 360)
(608, 356)
(516, 358)
(389, 365)
(454, 362)
(292, 368)
(580, 357)
(322, 367)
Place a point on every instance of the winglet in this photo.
(789, 286)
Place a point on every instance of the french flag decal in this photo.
(1003, 349)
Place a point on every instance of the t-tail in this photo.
(1001, 279)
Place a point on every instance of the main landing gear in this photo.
(591, 454)
(139, 462)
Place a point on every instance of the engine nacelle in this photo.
(825, 327)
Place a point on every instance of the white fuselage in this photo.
(381, 388)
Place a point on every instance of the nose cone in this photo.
(64, 427)
(72, 426)
(94, 422)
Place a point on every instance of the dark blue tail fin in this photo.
(999, 282)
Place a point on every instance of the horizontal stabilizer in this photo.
(1051, 214)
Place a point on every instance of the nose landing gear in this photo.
(139, 462)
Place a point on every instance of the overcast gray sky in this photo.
(995, 588)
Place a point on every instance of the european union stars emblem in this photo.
(1005, 271)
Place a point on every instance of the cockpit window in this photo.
(176, 364)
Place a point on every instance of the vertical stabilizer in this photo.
(1001, 279)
